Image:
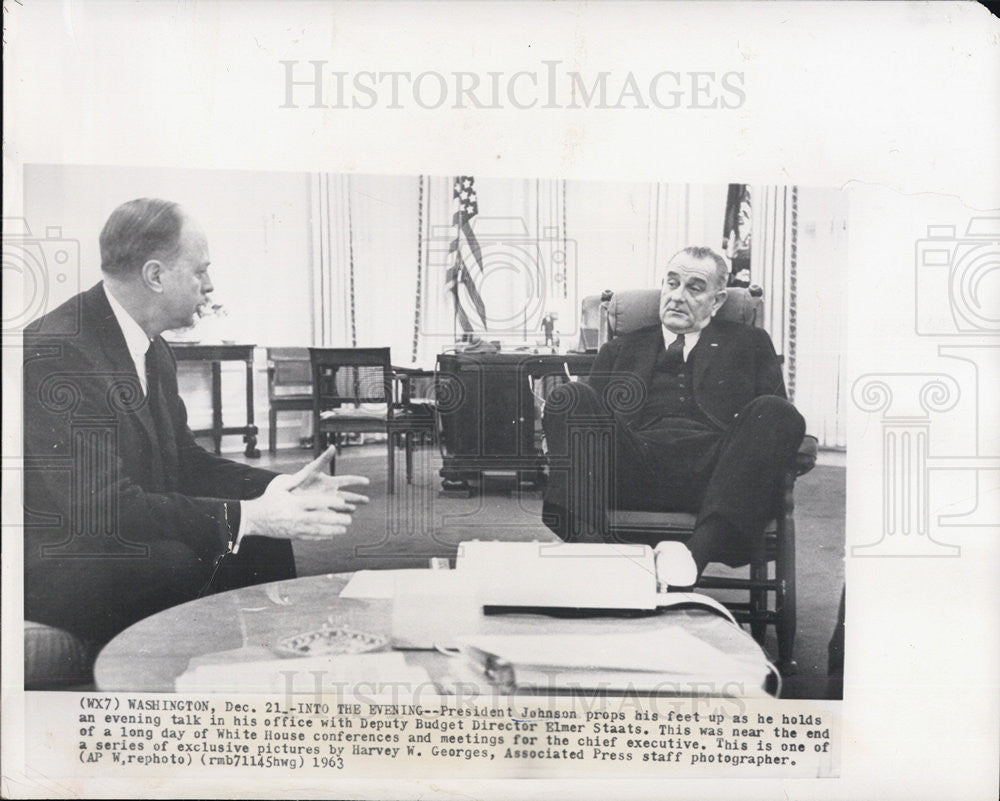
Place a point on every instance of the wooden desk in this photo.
(237, 626)
(486, 411)
(215, 355)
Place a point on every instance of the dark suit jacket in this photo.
(735, 363)
(101, 483)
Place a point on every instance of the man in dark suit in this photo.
(699, 419)
(125, 514)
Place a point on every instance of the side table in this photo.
(215, 355)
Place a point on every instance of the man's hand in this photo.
(308, 504)
(315, 478)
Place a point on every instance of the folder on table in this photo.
(671, 661)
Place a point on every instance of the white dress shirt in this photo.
(135, 338)
(138, 343)
(690, 340)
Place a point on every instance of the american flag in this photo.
(465, 248)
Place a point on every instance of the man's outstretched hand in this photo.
(315, 477)
(309, 504)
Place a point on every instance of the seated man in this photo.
(124, 514)
(699, 419)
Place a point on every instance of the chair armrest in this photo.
(805, 459)
(54, 658)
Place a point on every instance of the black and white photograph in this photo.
(461, 377)
(409, 399)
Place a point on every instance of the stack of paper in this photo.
(671, 660)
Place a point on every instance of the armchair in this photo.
(769, 594)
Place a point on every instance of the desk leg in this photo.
(454, 484)
(251, 434)
(217, 406)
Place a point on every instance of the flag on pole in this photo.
(737, 233)
(463, 252)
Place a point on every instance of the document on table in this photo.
(671, 658)
(381, 584)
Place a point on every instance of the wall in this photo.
(608, 235)
(259, 234)
(821, 393)
(614, 236)
(282, 243)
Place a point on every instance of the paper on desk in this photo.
(307, 675)
(669, 651)
(668, 599)
(384, 583)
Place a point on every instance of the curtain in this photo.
(799, 241)
(773, 266)
(547, 244)
(366, 261)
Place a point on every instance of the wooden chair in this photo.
(415, 410)
(289, 387)
(55, 659)
(354, 391)
(770, 594)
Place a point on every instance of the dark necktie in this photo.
(675, 352)
(152, 382)
(165, 447)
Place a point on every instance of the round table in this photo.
(244, 625)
